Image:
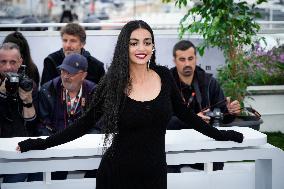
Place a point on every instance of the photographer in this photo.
(200, 92)
(19, 39)
(17, 99)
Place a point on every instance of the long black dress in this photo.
(136, 158)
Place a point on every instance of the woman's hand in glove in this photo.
(31, 144)
(230, 135)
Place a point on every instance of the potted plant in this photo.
(229, 26)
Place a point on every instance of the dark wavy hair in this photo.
(183, 45)
(116, 84)
(74, 29)
(18, 38)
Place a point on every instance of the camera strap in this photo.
(197, 92)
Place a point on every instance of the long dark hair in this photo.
(18, 38)
(116, 84)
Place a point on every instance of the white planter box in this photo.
(268, 100)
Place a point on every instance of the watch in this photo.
(27, 105)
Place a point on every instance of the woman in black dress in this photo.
(135, 100)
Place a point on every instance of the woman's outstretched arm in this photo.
(80, 127)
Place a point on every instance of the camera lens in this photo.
(26, 84)
(12, 84)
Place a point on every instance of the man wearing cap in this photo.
(63, 99)
(73, 38)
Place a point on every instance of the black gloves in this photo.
(32, 144)
(230, 135)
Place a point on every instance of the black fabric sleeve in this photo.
(49, 71)
(45, 103)
(194, 121)
(95, 70)
(78, 129)
(101, 71)
(31, 124)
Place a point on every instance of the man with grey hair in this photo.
(16, 99)
(64, 99)
(17, 102)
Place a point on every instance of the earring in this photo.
(148, 65)
(153, 50)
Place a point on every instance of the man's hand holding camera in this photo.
(2, 85)
(21, 85)
(26, 96)
(234, 107)
(27, 100)
(16, 91)
(204, 116)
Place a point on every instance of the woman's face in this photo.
(140, 47)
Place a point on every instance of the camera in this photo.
(15, 80)
(216, 116)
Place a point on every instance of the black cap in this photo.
(73, 63)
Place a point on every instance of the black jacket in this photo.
(208, 92)
(52, 107)
(95, 67)
(12, 123)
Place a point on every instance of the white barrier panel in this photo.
(182, 147)
(101, 43)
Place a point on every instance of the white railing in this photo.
(267, 26)
(182, 147)
(100, 25)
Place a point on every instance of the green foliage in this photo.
(276, 139)
(222, 23)
(229, 26)
(234, 77)
(266, 66)
(179, 3)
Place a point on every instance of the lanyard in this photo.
(71, 104)
(190, 98)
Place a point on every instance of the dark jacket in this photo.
(95, 67)
(12, 123)
(52, 108)
(208, 92)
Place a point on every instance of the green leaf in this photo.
(229, 26)
(260, 1)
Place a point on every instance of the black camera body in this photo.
(16, 80)
(216, 116)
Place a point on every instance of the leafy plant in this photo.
(229, 26)
(234, 77)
